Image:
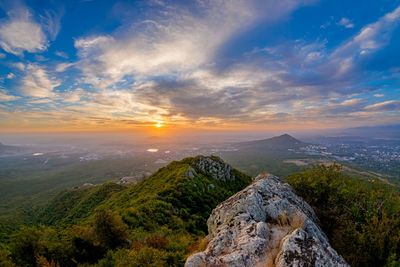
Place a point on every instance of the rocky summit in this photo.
(265, 224)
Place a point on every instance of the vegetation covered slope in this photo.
(162, 220)
(360, 217)
(179, 195)
(70, 206)
(157, 222)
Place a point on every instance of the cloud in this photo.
(61, 54)
(19, 33)
(285, 83)
(329, 71)
(72, 96)
(351, 102)
(370, 38)
(36, 82)
(63, 66)
(379, 95)
(10, 76)
(4, 96)
(167, 66)
(228, 95)
(174, 41)
(51, 22)
(345, 22)
(389, 105)
(18, 65)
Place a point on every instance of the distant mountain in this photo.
(284, 142)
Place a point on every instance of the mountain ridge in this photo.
(283, 141)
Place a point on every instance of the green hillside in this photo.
(157, 222)
(359, 216)
(71, 205)
(162, 220)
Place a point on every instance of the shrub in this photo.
(109, 229)
(156, 241)
(360, 217)
(5, 258)
(25, 246)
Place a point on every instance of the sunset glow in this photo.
(158, 125)
(198, 64)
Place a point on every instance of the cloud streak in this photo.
(37, 83)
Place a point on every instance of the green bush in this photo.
(5, 258)
(109, 230)
(360, 217)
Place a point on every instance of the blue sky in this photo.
(259, 64)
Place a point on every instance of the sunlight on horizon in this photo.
(159, 125)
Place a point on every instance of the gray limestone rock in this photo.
(265, 224)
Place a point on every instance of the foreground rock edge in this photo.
(265, 224)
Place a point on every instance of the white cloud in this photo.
(63, 66)
(36, 82)
(370, 38)
(379, 95)
(10, 76)
(51, 23)
(176, 42)
(4, 96)
(21, 33)
(279, 86)
(72, 96)
(61, 54)
(351, 102)
(342, 63)
(18, 65)
(384, 106)
(345, 22)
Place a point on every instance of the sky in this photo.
(92, 65)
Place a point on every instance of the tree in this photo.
(109, 229)
(25, 246)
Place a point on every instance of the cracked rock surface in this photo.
(218, 170)
(265, 224)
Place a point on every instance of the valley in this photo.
(32, 175)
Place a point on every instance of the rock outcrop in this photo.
(215, 167)
(265, 224)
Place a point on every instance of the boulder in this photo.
(265, 224)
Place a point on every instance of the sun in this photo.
(158, 125)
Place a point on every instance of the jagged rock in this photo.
(265, 224)
(217, 169)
